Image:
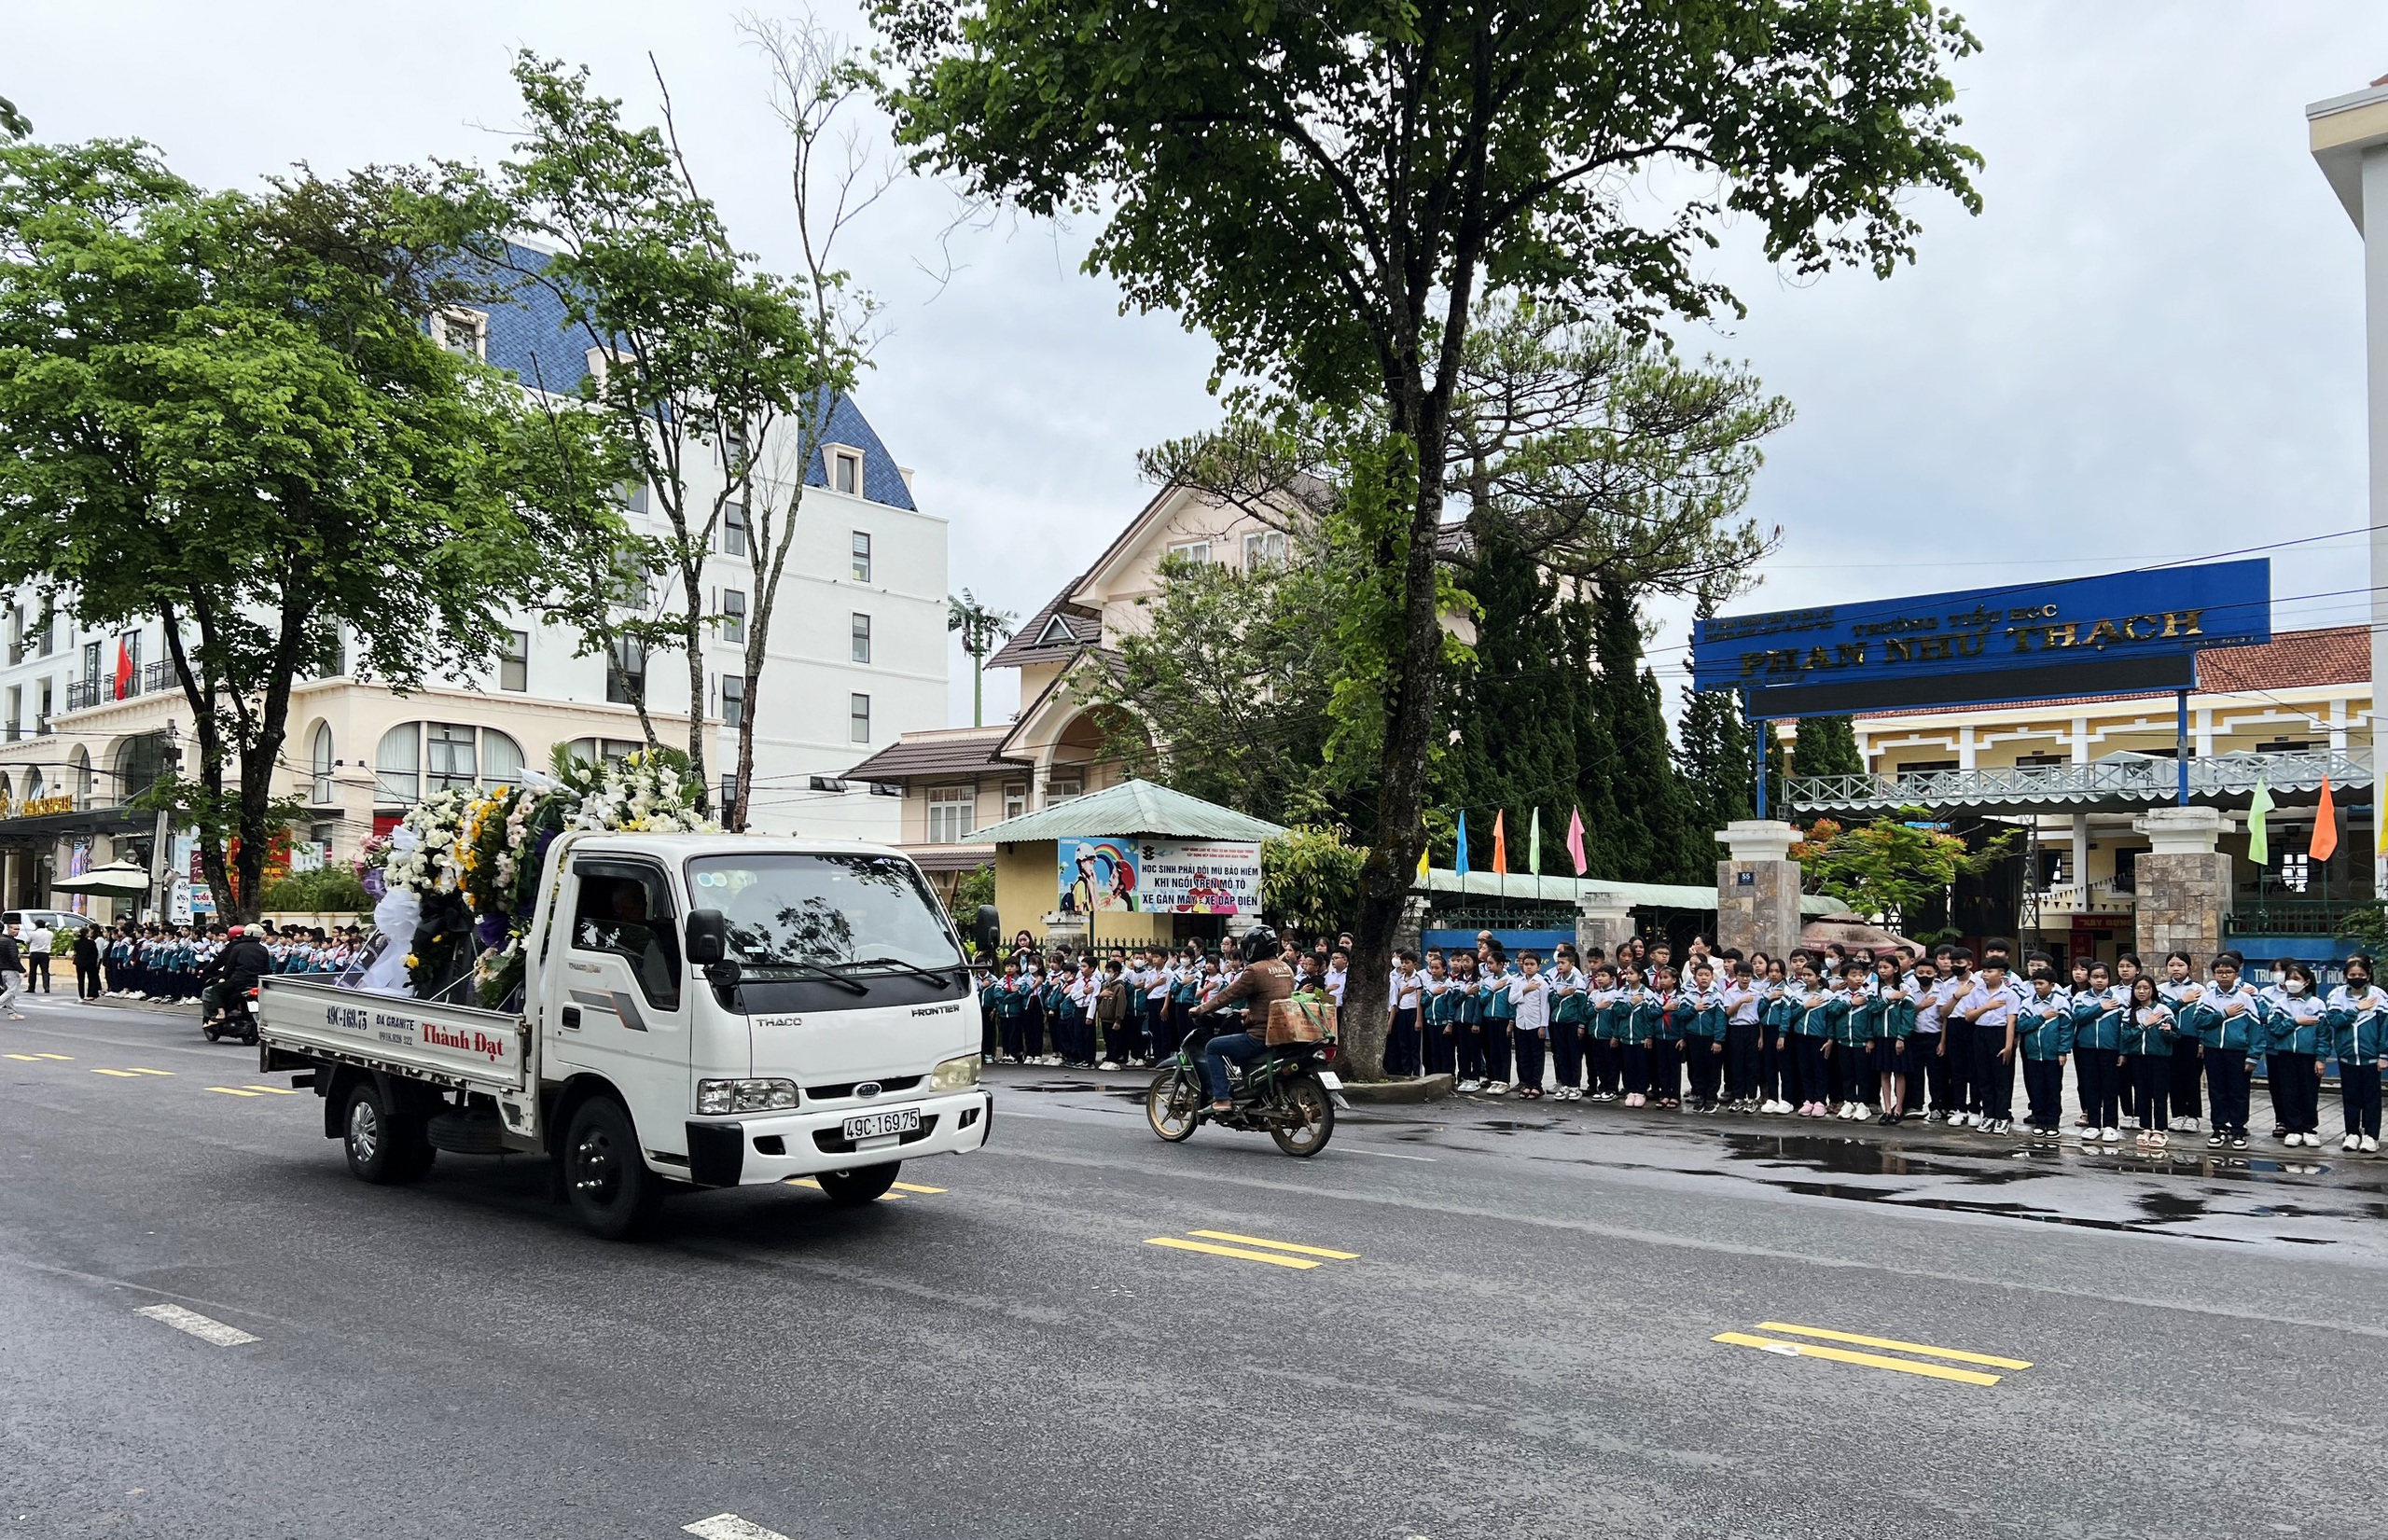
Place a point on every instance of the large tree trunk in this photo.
(695, 641)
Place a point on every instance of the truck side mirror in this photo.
(708, 937)
(989, 932)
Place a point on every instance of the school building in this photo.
(2078, 776)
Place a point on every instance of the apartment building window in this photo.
(1059, 787)
(394, 776)
(633, 496)
(861, 557)
(462, 331)
(16, 711)
(2041, 761)
(734, 614)
(733, 699)
(48, 633)
(453, 765)
(514, 666)
(845, 471)
(734, 529)
(49, 704)
(16, 635)
(610, 751)
(2284, 745)
(91, 662)
(859, 718)
(1265, 548)
(950, 813)
(2296, 870)
(319, 763)
(625, 670)
(1191, 550)
(862, 638)
(1015, 799)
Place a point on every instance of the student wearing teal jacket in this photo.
(1893, 991)
(1643, 1011)
(2228, 1020)
(1817, 1011)
(2148, 1031)
(2358, 1022)
(2043, 1039)
(1610, 1019)
(1702, 1006)
(2097, 1057)
(1499, 1011)
(1853, 1041)
(2299, 1041)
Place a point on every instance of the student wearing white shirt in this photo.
(1988, 1009)
(1738, 995)
(1530, 1022)
(1404, 990)
(1339, 968)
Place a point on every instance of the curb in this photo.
(1434, 1087)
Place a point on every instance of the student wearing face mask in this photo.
(2298, 1042)
(2357, 1015)
(2229, 1020)
(2184, 995)
(2097, 1057)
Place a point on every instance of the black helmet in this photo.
(1259, 944)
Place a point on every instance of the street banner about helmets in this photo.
(1200, 876)
(1097, 876)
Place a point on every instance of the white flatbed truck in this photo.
(698, 1011)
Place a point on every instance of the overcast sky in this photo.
(2146, 346)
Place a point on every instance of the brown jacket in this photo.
(1259, 986)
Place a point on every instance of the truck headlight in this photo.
(715, 1096)
(955, 1073)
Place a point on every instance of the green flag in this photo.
(1534, 843)
(2260, 849)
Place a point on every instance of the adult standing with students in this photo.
(87, 962)
(39, 943)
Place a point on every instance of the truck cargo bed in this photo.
(453, 1045)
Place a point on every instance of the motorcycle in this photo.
(1288, 1094)
(239, 1021)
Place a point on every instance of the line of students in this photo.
(1132, 1008)
(1825, 1036)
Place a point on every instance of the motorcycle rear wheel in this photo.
(1173, 1106)
(1314, 1111)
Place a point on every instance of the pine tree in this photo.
(1652, 816)
(1516, 711)
(1827, 746)
(1713, 758)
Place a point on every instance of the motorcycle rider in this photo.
(1265, 981)
(238, 968)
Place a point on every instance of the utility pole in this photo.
(980, 629)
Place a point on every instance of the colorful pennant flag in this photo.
(1501, 845)
(1422, 852)
(1575, 838)
(1534, 843)
(1462, 860)
(2325, 826)
(2259, 843)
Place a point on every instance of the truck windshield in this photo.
(824, 909)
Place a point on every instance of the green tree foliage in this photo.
(1713, 763)
(1827, 746)
(1893, 866)
(13, 123)
(1310, 878)
(326, 890)
(1328, 192)
(226, 412)
(974, 887)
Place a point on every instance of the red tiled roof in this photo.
(2292, 660)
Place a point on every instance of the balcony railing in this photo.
(148, 679)
(2119, 781)
(2084, 898)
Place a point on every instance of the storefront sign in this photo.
(2120, 632)
(34, 807)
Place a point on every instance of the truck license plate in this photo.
(875, 1125)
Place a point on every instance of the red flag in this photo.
(1500, 847)
(123, 670)
(2325, 826)
(1575, 839)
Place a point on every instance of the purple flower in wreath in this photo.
(490, 930)
(376, 884)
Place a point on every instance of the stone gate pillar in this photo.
(2183, 885)
(1602, 920)
(1757, 887)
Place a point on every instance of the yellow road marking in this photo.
(1174, 1243)
(885, 1197)
(138, 1070)
(229, 1092)
(26, 1058)
(1278, 1245)
(62, 1057)
(914, 1186)
(121, 1074)
(1958, 1353)
(273, 1090)
(1866, 1360)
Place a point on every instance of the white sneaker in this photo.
(2114, 1136)
(2349, 1144)
(2371, 1144)
(2087, 1134)
(2292, 1139)
(1469, 1085)
(1498, 1087)
(1106, 1064)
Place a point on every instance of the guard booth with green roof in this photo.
(1132, 865)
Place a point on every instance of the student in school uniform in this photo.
(1778, 1070)
(2357, 1017)
(2298, 1042)
(1637, 1009)
(2043, 1037)
(1404, 990)
(1894, 1026)
(1161, 978)
(1570, 1012)
(1702, 1004)
(2184, 993)
(2227, 1017)
(1607, 1035)
(1530, 1022)
(1184, 993)
(1738, 997)
(1989, 1008)
(1494, 990)
(1666, 1040)
(1853, 1040)
(1957, 1035)
(1435, 1009)
(2148, 1030)
(2098, 1056)
(1820, 1008)
(1468, 1021)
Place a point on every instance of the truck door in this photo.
(623, 1011)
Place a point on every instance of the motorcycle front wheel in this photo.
(1312, 1121)
(1173, 1106)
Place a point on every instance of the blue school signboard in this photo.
(2125, 632)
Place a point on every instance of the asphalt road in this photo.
(1510, 1328)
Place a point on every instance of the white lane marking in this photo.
(206, 1328)
(729, 1526)
(1388, 1154)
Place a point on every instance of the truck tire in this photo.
(860, 1186)
(606, 1177)
(383, 1146)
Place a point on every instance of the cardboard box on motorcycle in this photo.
(1300, 1021)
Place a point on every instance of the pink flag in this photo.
(1575, 839)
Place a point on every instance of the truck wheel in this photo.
(864, 1184)
(604, 1176)
(383, 1148)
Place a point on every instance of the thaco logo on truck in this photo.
(464, 1040)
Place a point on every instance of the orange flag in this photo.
(1500, 847)
(2325, 826)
